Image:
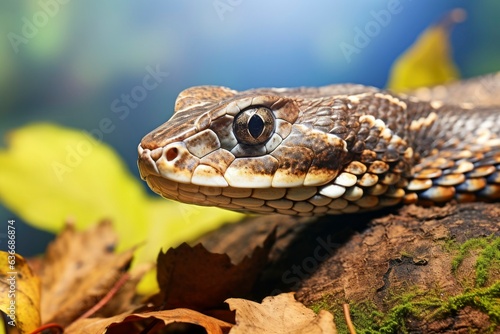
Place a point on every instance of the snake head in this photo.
(222, 147)
(328, 150)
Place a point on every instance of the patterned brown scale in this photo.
(328, 150)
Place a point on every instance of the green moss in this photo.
(488, 258)
(432, 307)
(364, 315)
(368, 319)
(323, 304)
(484, 299)
(340, 323)
(431, 304)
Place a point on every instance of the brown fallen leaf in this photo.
(279, 314)
(121, 300)
(194, 278)
(150, 322)
(19, 293)
(78, 270)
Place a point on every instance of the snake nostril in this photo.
(171, 153)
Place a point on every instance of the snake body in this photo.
(328, 150)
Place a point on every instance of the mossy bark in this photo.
(413, 269)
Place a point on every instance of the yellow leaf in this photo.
(49, 174)
(19, 293)
(428, 62)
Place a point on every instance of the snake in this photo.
(335, 149)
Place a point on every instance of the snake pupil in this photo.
(255, 126)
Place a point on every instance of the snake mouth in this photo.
(147, 161)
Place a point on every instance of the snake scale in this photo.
(329, 150)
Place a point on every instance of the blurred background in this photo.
(76, 62)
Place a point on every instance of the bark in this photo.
(400, 270)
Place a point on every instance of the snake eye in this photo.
(254, 126)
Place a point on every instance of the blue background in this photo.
(88, 53)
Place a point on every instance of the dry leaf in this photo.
(121, 300)
(192, 277)
(79, 269)
(19, 293)
(279, 314)
(154, 321)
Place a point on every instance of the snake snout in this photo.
(147, 161)
(173, 162)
